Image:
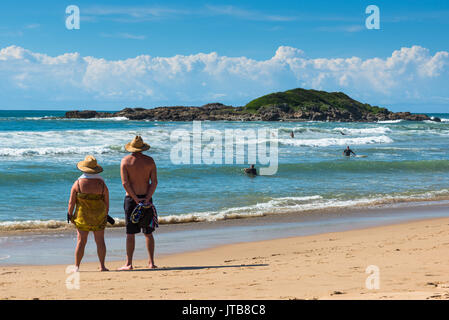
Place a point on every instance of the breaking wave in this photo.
(272, 206)
(325, 142)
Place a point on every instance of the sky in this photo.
(159, 53)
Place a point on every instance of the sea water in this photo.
(405, 161)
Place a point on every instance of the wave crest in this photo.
(272, 206)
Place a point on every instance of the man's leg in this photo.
(130, 244)
(131, 230)
(150, 247)
(80, 245)
(101, 248)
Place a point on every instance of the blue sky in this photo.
(148, 53)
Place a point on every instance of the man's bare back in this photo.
(139, 176)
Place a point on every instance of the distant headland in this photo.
(292, 105)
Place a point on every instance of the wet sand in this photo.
(412, 259)
(55, 246)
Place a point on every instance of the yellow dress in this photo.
(90, 213)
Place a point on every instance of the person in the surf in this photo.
(347, 152)
(292, 134)
(251, 171)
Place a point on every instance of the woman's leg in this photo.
(80, 245)
(101, 248)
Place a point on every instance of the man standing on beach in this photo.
(139, 178)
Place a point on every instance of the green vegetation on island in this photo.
(291, 105)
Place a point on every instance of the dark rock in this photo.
(316, 105)
(87, 114)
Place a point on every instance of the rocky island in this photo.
(292, 105)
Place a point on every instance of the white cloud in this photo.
(32, 26)
(408, 75)
(123, 35)
(133, 14)
(246, 14)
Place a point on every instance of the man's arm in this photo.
(353, 152)
(125, 182)
(153, 184)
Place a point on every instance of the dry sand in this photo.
(413, 260)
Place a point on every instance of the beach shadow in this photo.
(195, 268)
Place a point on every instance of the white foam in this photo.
(98, 119)
(297, 204)
(325, 142)
(375, 130)
(55, 151)
(41, 143)
(390, 121)
(272, 206)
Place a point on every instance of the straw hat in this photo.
(89, 165)
(137, 145)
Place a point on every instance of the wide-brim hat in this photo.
(89, 165)
(137, 145)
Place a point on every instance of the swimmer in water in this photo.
(251, 171)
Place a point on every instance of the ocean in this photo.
(405, 162)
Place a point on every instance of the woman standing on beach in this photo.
(91, 196)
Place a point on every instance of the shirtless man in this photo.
(139, 178)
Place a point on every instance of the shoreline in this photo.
(56, 246)
(268, 217)
(324, 266)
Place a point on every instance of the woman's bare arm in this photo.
(106, 197)
(72, 200)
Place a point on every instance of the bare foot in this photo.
(126, 268)
(103, 269)
(152, 266)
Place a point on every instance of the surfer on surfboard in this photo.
(347, 152)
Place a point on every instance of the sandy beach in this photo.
(412, 259)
